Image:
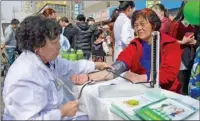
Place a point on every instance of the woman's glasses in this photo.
(142, 25)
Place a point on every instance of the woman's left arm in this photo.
(134, 77)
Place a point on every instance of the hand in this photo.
(79, 79)
(69, 109)
(102, 65)
(188, 39)
(131, 76)
(193, 42)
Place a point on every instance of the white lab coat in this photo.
(31, 90)
(123, 33)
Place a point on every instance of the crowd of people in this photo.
(34, 85)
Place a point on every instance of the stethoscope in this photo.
(60, 83)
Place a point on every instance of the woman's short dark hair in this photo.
(162, 8)
(149, 15)
(125, 4)
(34, 30)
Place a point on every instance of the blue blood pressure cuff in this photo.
(119, 67)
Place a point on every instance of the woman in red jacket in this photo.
(137, 56)
(162, 13)
(181, 30)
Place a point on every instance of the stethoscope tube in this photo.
(87, 83)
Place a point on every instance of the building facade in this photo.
(77, 7)
(102, 10)
(62, 8)
(99, 10)
(27, 6)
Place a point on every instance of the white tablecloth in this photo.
(99, 108)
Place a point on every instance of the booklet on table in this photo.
(166, 109)
(147, 108)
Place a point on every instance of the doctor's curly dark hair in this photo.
(34, 31)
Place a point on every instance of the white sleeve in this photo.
(67, 67)
(127, 33)
(27, 101)
(8, 34)
(105, 47)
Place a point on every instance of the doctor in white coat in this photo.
(123, 31)
(33, 85)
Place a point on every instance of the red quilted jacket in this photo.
(169, 65)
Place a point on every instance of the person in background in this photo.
(10, 40)
(194, 82)
(83, 36)
(64, 42)
(136, 58)
(70, 32)
(90, 21)
(99, 48)
(123, 31)
(179, 27)
(162, 13)
(34, 83)
(114, 16)
(93, 27)
(49, 13)
(181, 30)
(63, 22)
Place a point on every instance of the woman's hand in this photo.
(79, 79)
(102, 65)
(193, 42)
(136, 78)
(189, 40)
(69, 109)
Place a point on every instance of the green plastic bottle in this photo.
(65, 55)
(79, 54)
(72, 55)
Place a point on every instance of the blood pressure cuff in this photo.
(119, 67)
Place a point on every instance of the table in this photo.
(99, 108)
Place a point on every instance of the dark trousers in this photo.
(184, 77)
(11, 55)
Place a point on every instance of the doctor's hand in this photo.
(69, 109)
(102, 65)
(79, 79)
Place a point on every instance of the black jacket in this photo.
(83, 39)
(70, 32)
(94, 29)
